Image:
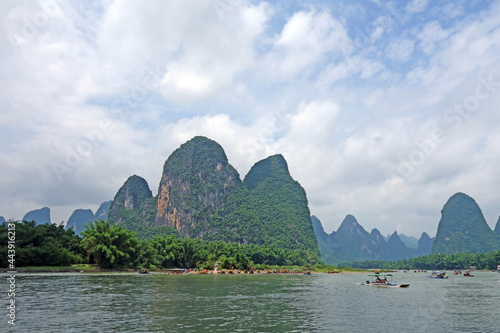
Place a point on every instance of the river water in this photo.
(119, 302)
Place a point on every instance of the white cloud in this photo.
(110, 89)
(417, 6)
(431, 34)
(400, 50)
(306, 40)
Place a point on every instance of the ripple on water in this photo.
(265, 303)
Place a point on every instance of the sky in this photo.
(383, 109)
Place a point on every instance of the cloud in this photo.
(306, 40)
(400, 50)
(417, 6)
(95, 92)
(431, 34)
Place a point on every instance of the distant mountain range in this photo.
(78, 219)
(201, 195)
(410, 241)
(81, 217)
(351, 242)
(462, 228)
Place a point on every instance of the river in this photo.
(120, 302)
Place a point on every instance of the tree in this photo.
(111, 246)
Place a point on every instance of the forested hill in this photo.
(201, 195)
(462, 228)
(197, 181)
(282, 206)
(497, 230)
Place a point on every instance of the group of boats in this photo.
(385, 279)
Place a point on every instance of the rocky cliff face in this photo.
(462, 228)
(41, 215)
(201, 195)
(129, 199)
(197, 181)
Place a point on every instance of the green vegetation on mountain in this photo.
(497, 230)
(201, 195)
(134, 208)
(196, 182)
(282, 206)
(112, 246)
(462, 228)
(237, 221)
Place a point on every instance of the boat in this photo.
(498, 268)
(143, 271)
(380, 280)
(468, 274)
(438, 275)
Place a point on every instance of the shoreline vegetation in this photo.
(107, 247)
(258, 269)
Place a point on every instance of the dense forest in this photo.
(112, 246)
(434, 262)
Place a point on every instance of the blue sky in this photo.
(383, 109)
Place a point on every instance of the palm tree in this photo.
(110, 245)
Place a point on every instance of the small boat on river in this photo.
(468, 274)
(380, 280)
(438, 275)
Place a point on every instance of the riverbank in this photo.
(86, 268)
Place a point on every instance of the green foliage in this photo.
(237, 221)
(41, 245)
(282, 206)
(170, 252)
(199, 180)
(141, 220)
(212, 203)
(111, 246)
(434, 262)
(462, 228)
